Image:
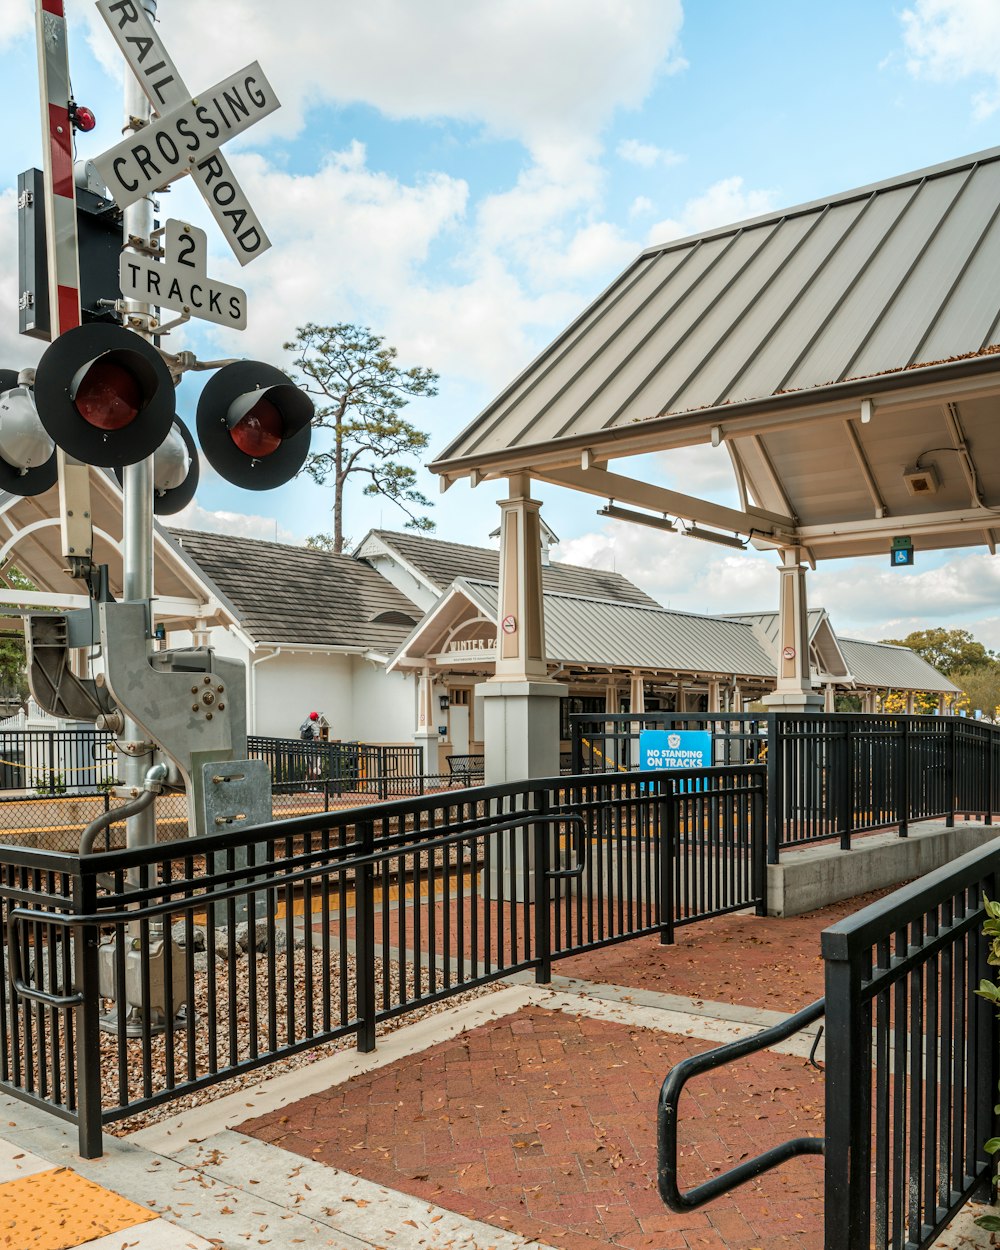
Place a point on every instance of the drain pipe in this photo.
(152, 786)
(262, 659)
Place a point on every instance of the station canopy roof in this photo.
(845, 352)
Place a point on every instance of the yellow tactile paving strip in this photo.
(59, 1209)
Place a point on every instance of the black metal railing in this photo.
(79, 761)
(830, 776)
(911, 1058)
(668, 1118)
(350, 767)
(241, 948)
(56, 761)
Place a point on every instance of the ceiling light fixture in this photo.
(638, 518)
(710, 536)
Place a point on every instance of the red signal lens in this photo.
(259, 432)
(83, 119)
(109, 396)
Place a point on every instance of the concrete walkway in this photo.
(524, 1118)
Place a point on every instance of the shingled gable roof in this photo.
(440, 563)
(296, 596)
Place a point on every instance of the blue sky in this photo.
(465, 176)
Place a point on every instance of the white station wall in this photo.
(362, 702)
(384, 704)
(291, 686)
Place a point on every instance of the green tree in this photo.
(946, 649)
(981, 685)
(361, 391)
(13, 663)
(320, 542)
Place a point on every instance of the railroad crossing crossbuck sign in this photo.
(187, 133)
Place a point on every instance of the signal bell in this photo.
(254, 425)
(27, 453)
(175, 471)
(104, 395)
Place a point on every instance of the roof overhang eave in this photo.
(918, 384)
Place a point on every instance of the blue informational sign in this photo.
(675, 748)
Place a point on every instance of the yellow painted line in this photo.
(468, 881)
(59, 1209)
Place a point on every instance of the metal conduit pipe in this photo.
(152, 785)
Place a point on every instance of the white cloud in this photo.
(17, 18)
(539, 71)
(641, 206)
(346, 238)
(353, 243)
(682, 573)
(597, 249)
(194, 517)
(723, 203)
(865, 598)
(704, 471)
(947, 40)
(646, 155)
(884, 600)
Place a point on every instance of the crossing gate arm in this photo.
(667, 1117)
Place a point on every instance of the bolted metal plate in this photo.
(58, 1209)
(235, 793)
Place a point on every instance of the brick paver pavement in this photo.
(767, 962)
(543, 1123)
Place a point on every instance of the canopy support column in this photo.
(637, 706)
(426, 735)
(520, 702)
(793, 692)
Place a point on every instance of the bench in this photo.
(465, 768)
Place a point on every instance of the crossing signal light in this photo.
(175, 471)
(104, 395)
(27, 453)
(254, 425)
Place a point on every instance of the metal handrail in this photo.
(667, 1117)
(18, 984)
(579, 850)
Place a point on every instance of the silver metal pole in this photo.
(137, 505)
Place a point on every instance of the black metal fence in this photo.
(830, 776)
(53, 762)
(347, 767)
(911, 1067)
(219, 955)
(56, 761)
(911, 1059)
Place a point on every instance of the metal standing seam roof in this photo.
(297, 596)
(769, 623)
(874, 280)
(442, 562)
(611, 634)
(888, 667)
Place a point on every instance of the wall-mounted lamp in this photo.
(444, 700)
